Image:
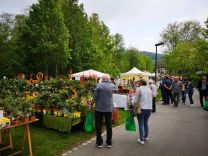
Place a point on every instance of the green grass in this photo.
(47, 142)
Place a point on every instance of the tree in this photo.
(176, 33)
(200, 60)
(80, 44)
(206, 29)
(45, 39)
(182, 59)
(10, 61)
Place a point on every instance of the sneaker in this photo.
(140, 142)
(192, 105)
(146, 139)
(108, 146)
(99, 146)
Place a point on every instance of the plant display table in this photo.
(26, 132)
(61, 124)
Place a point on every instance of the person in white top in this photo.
(153, 87)
(144, 95)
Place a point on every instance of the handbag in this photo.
(136, 108)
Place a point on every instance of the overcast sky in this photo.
(139, 21)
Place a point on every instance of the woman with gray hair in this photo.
(144, 95)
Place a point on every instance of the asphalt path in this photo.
(181, 131)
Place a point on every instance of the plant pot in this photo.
(38, 110)
(15, 122)
(55, 112)
(25, 119)
(60, 113)
(32, 118)
(34, 106)
(66, 115)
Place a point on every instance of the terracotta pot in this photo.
(55, 112)
(34, 106)
(25, 119)
(32, 118)
(39, 110)
(15, 122)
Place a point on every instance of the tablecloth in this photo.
(120, 100)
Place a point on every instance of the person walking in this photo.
(202, 87)
(184, 91)
(190, 89)
(144, 95)
(103, 107)
(176, 90)
(167, 90)
(162, 88)
(153, 88)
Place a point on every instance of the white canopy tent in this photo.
(134, 72)
(89, 73)
(148, 73)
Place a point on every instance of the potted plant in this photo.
(66, 112)
(26, 107)
(32, 114)
(60, 113)
(42, 101)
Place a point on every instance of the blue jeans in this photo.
(143, 123)
(183, 94)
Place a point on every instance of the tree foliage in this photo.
(45, 38)
(176, 33)
(187, 48)
(58, 36)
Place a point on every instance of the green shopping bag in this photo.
(130, 123)
(89, 122)
(205, 105)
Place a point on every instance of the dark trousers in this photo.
(167, 97)
(176, 98)
(202, 94)
(153, 104)
(190, 94)
(162, 89)
(183, 94)
(98, 125)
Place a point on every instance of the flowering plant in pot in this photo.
(26, 107)
(42, 101)
(32, 114)
(55, 101)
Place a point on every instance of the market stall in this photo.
(88, 73)
(133, 73)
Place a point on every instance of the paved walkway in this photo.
(181, 131)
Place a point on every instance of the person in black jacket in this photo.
(203, 89)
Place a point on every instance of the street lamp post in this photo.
(156, 45)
